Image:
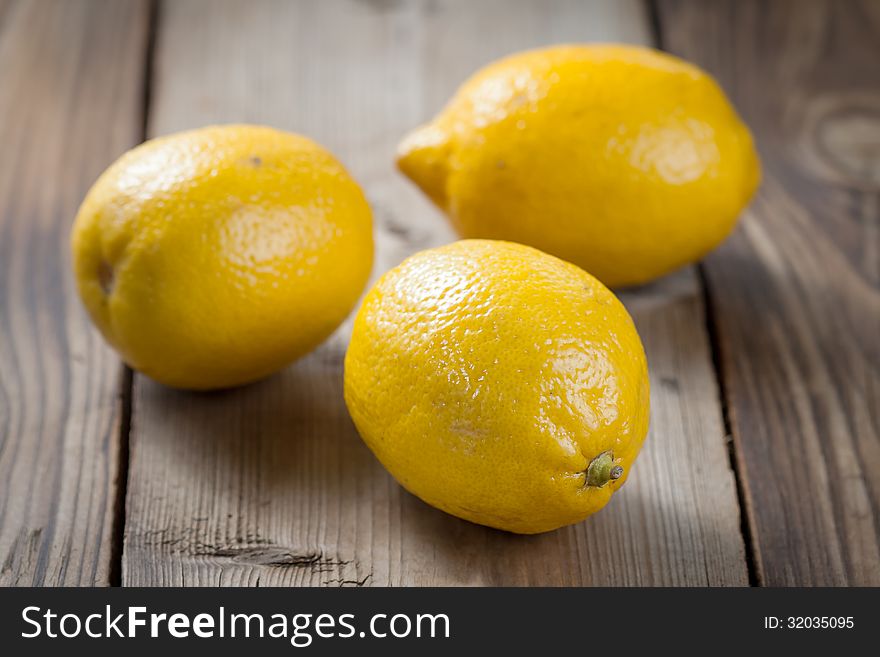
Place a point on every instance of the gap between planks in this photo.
(796, 304)
(68, 98)
(127, 378)
(653, 11)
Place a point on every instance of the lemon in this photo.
(499, 384)
(625, 161)
(213, 257)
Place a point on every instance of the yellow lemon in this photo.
(499, 383)
(623, 160)
(213, 257)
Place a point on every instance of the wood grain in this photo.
(70, 89)
(795, 292)
(270, 484)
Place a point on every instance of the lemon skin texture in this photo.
(488, 376)
(625, 161)
(214, 257)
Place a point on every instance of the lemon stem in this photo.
(602, 469)
(105, 276)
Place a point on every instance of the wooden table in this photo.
(763, 461)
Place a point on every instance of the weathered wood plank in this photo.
(70, 95)
(795, 292)
(270, 484)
